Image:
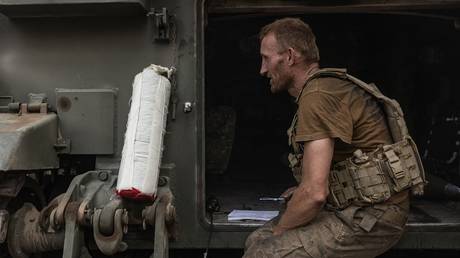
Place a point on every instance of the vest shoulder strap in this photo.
(393, 111)
(342, 74)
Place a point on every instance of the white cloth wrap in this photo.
(143, 146)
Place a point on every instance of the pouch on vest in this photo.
(392, 168)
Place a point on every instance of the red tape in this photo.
(135, 194)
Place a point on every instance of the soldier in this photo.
(352, 197)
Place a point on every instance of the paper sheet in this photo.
(252, 215)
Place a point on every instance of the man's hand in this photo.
(288, 193)
(277, 230)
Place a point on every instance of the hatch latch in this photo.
(162, 24)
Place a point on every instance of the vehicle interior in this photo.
(411, 58)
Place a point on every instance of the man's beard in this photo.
(283, 83)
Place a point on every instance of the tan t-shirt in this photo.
(336, 108)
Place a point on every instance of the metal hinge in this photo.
(162, 24)
(38, 103)
(5, 102)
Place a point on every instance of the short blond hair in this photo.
(293, 32)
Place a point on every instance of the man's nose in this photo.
(263, 70)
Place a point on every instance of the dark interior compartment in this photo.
(412, 59)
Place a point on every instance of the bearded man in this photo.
(352, 197)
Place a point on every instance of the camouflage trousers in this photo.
(353, 232)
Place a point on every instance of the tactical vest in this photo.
(373, 177)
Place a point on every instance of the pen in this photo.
(272, 199)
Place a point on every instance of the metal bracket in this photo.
(162, 216)
(62, 146)
(86, 203)
(161, 241)
(162, 24)
(107, 223)
(73, 238)
(110, 245)
(85, 186)
(74, 209)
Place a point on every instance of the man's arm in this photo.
(309, 197)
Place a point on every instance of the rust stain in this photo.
(14, 122)
(64, 104)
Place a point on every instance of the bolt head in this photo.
(162, 181)
(103, 175)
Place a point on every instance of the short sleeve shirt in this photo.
(337, 108)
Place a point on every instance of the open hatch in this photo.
(411, 56)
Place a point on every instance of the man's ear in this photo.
(291, 56)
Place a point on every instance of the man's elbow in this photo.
(319, 197)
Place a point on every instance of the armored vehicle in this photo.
(66, 74)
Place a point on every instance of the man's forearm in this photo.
(301, 209)
(313, 190)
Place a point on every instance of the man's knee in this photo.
(262, 244)
(257, 236)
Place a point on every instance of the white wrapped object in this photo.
(143, 147)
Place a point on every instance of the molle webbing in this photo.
(368, 178)
(377, 175)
